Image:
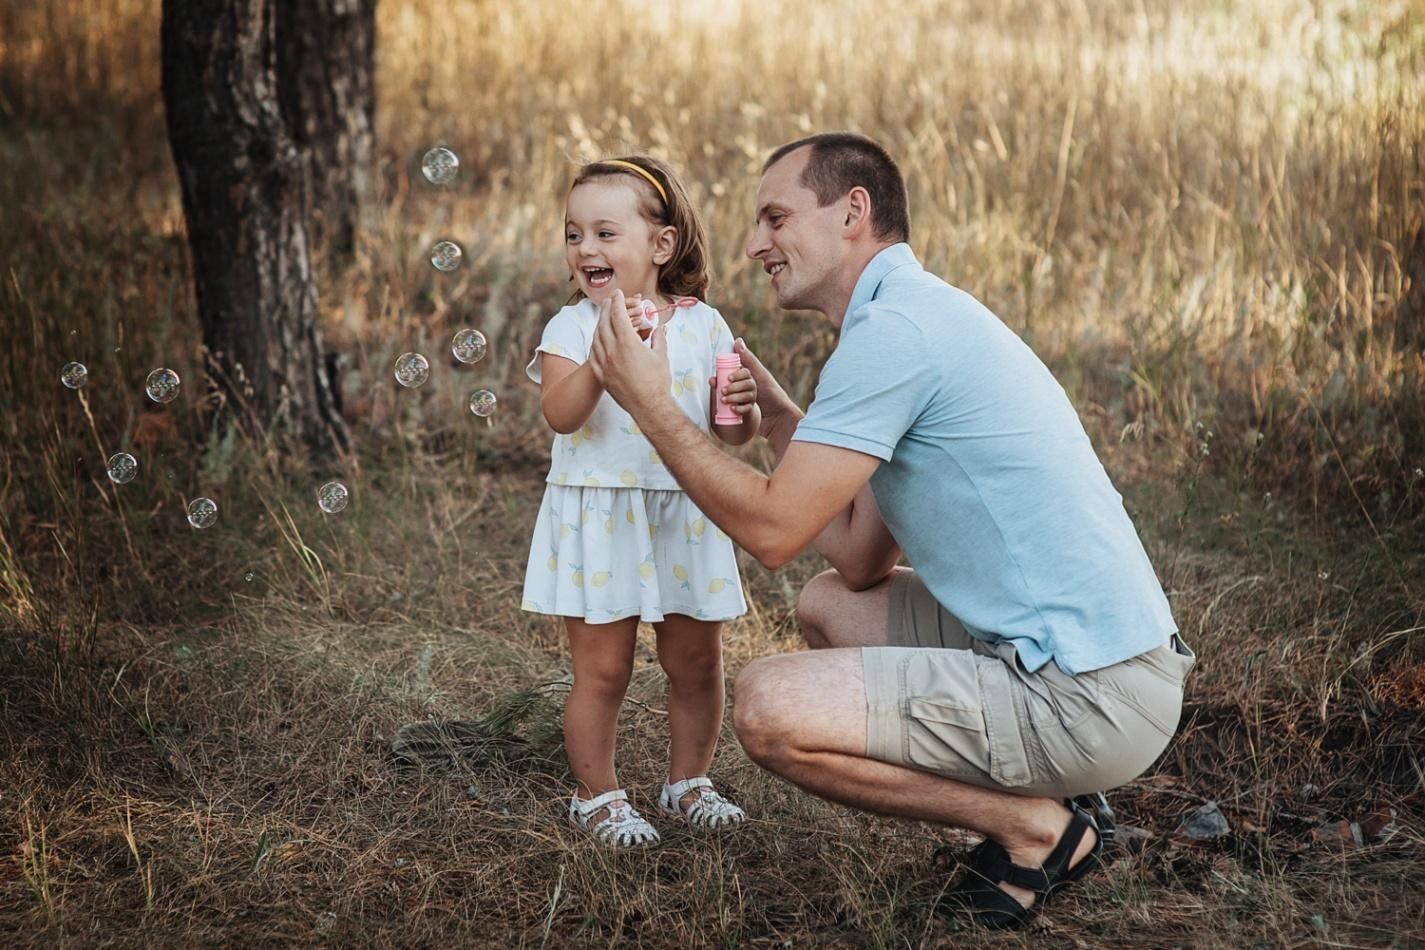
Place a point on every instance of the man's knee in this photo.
(756, 716)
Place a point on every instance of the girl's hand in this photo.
(740, 393)
(635, 374)
(635, 315)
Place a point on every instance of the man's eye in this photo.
(776, 220)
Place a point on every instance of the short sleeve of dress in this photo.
(721, 335)
(564, 335)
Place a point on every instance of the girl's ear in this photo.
(664, 242)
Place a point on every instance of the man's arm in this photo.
(858, 544)
(856, 541)
(774, 517)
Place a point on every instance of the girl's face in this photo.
(609, 245)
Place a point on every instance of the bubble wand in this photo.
(649, 318)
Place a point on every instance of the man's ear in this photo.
(663, 244)
(858, 210)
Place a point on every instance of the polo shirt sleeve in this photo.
(874, 386)
(564, 335)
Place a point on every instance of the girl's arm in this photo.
(741, 395)
(568, 392)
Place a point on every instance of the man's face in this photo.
(797, 243)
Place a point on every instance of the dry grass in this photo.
(1197, 216)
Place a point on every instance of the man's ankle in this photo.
(1041, 831)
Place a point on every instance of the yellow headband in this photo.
(642, 171)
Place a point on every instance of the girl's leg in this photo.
(690, 652)
(603, 661)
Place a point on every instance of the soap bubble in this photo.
(122, 468)
(468, 346)
(445, 256)
(162, 385)
(439, 165)
(74, 375)
(332, 497)
(412, 369)
(202, 512)
(482, 403)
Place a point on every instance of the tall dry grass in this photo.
(1196, 213)
(1202, 210)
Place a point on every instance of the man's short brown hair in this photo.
(841, 161)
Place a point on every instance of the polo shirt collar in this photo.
(885, 261)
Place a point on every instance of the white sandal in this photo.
(622, 827)
(708, 812)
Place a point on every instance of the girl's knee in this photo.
(695, 680)
(692, 666)
(605, 679)
(691, 651)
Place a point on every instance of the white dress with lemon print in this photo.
(615, 536)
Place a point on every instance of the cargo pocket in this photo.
(980, 744)
(1009, 762)
(946, 739)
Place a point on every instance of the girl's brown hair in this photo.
(686, 273)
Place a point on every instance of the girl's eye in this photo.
(571, 238)
(606, 234)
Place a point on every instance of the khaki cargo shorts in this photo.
(941, 701)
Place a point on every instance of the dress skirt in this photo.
(603, 554)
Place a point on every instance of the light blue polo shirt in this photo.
(988, 482)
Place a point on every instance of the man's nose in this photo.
(757, 244)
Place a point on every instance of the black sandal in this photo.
(978, 891)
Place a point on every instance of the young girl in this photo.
(616, 541)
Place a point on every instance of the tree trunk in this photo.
(327, 90)
(241, 179)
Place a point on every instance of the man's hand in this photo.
(778, 410)
(635, 375)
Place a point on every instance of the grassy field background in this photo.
(1197, 214)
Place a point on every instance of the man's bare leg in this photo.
(802, 716)
(831, 614)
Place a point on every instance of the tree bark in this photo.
(326, 87)
(241, 180)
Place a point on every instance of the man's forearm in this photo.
(779, 435)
